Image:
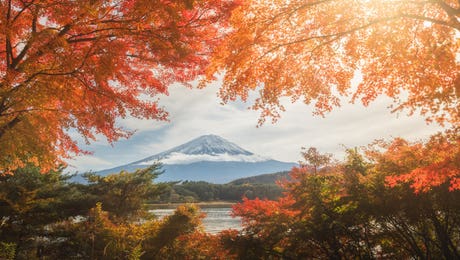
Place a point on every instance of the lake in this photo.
(216, 220)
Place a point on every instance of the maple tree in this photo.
(349, 211)
(81, 64)
(311, 50)
(315, 159)
(422, 164)
(198, 245)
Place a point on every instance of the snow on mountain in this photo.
(208, 158)
(209, 144)
(210, 148)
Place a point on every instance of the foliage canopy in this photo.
(348, 211)
(82, 64)
(311, 50)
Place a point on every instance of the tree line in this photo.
(201, 191)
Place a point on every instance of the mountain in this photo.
(208, 158)
(268, 178)
(203, 148)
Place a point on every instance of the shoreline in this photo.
(210, 204)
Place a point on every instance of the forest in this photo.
(71, 70)
(260, 186)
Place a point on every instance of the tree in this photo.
(315, 159)
(124, 194)
(31, 202)
(7, 250)
(98, 237)
(185, 220)
(422, 164)
(198, 245)
(64, 220)
(79, 65)
(311, 50)
(350, 212)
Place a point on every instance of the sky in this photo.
(196, 112)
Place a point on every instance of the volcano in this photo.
(209, 158)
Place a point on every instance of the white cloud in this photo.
(180, 158)
(88, 162)
(195, 112)
(139, 125)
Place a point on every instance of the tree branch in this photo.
(453, 24)
(330, 37)
(9, 49)
(75, 38)
(335, 36)
(45, 73)
(9, 125)
(449, 9)
(26, 6)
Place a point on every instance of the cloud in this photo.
(195, 112)
(86, 163)
(180, 158)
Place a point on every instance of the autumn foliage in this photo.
(423, 165)
(348, 210)
(79, 65)
(311, 50)
(71, 68)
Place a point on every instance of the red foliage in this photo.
(83, 64)
(258, 209)
(424, 165)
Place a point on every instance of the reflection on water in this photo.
(216, 220)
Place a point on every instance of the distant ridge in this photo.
(208, 158)
(268, 178)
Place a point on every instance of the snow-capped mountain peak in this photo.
(209, 144)
(204, 148)
(208, 158)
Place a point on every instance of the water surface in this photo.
(216, 220)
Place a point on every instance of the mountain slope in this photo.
(208, 158)
(203, 148)
(269, 178)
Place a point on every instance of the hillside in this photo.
(269, 178)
